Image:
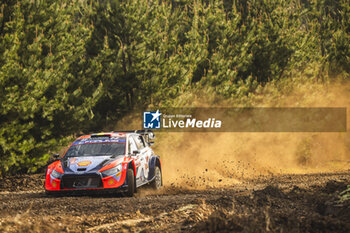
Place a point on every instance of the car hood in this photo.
(85, 164)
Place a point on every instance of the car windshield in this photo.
(96, 149)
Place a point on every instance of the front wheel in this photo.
(131, 183)
(157, 182)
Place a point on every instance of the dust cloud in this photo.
(212, 160)
(223, 159)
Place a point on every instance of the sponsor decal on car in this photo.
(84, 163)
(87, 141)
(72, 161)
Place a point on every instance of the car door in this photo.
(143, 158)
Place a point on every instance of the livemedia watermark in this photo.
(246, 119)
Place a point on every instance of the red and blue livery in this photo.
(106, 162)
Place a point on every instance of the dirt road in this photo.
(286, 203)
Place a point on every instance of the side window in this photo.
(131, 145)
(139, 142)
(143, 141)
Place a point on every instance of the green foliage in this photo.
(75, 66)
(42, 98)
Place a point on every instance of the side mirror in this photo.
(55, 156)
(151, 135)
(135, 152)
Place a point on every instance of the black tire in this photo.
(131, 183)
(157, 181)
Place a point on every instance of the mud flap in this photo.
(152, 163)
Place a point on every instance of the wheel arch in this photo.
(153, 163)
(131, 165)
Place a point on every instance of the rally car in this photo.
(106, 162)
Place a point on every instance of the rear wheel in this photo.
(131, 183)
(157, 182)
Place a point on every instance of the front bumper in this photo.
(87, 182)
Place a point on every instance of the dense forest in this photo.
(71, 66)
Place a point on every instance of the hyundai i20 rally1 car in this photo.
(106, 162)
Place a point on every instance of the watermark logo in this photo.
(246, 119)
(151, 120)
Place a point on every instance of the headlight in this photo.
(112, 171)
(55, 174)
